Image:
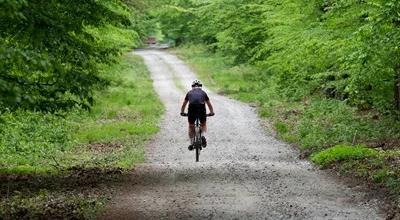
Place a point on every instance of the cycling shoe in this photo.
(203, 142)
(190, 147)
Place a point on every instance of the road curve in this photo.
(244, 173)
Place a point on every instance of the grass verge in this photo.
(364, 143)
(57, 165)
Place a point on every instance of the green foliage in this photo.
(340, 49)
(50, 51)
(342, 153)
(328, 122)
(175, 19)
(30, 141)
(281, 127)
(112, 134)
(376, 165)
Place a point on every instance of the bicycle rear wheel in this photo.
(197, 142)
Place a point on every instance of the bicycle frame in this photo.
(197, 139)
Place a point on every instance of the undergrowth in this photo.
(123, 118)
(375, 165)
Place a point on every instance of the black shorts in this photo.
(197, 111)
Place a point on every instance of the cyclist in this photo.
(197, 100)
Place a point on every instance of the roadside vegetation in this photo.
(111, 134)
(325, 73)
(55, 165)
(330, 132)
(76, 108)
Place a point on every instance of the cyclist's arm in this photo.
(184, 105)
(210, 107)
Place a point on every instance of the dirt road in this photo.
(244, 173)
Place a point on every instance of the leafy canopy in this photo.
(342, 49)
(50, 51)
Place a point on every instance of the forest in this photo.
(342, 49)
(324, 73)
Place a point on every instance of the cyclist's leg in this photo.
(203, 119)
(191, 120)
(191, 135)
(203, 125)
(191, 130)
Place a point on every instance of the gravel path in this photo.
(244, 173)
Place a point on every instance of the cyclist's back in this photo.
(197, 107)
(197, 96)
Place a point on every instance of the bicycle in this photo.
(196, 140)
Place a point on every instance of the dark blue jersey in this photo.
(196, 96)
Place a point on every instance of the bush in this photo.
(342, 153)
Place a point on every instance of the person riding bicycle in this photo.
(197, 100)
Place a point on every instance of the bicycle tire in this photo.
(197, 139)
(197, 154)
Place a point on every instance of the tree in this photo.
(50, 52)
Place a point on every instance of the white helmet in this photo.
(196, 83)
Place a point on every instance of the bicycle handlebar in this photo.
(186, 115)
